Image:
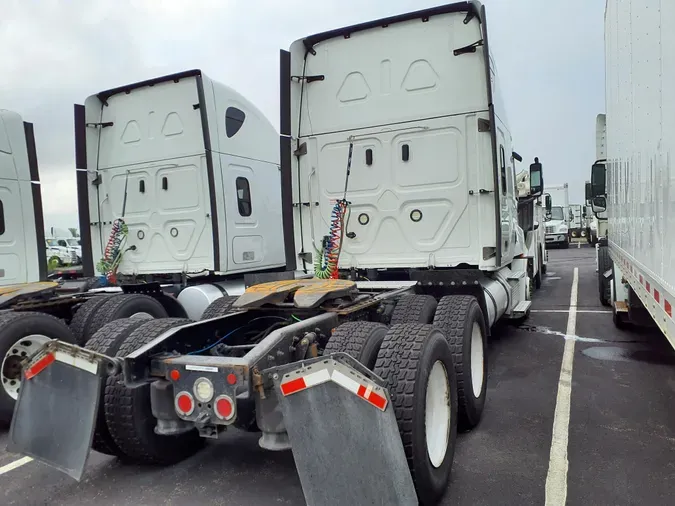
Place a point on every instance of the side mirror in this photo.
(589, 192)
(548, 203)
(516, 156)
(536, 179)
(599, 204)
(598, 180)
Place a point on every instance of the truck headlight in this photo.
(562, 229)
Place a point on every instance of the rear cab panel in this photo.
(170, 156)
(22, 250)
(148, 142)
(404, 109)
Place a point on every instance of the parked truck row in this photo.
(302, 285)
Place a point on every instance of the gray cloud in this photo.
(56, 53)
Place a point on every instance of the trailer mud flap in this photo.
(343, 433)
(55, 415)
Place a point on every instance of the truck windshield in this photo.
(73, 242)
(557, 213)
(52, 242)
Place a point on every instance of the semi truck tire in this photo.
(128, 412)
(416, 365)
(360, 339)
(414, 309)
(117, 307)
(83, 318)
(540, 272)
(219, 307)
(461, 320)
(22, 334)
(604, 264)
(107, 341)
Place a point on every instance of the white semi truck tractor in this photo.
(178, 194)
(400, 213)
(633, 186)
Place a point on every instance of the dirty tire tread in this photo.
(107, 341)
(13, 329)
(604, 264)
(121, 405)
(106, 313)
(414, 309)
(359, 339)
(451, 313)
(83, 317)
(397, 364)
(219, 307)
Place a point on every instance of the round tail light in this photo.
(185, 404)
(224, 407)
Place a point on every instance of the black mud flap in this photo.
(55, 415)
(343, 433)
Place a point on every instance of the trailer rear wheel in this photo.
(604, 264)
(362, 340)
(107, 341)
(84, 316)
(219, 307)
(414, 309)
(117, 307)
(461, 320)
(128, 412)
(22, 334)
(416, 364)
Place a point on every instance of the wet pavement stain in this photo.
(617, 354)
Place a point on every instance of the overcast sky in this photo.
(54, 53)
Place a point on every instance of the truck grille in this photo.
(550, 230)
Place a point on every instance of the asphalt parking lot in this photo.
(601, 432)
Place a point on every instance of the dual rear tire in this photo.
(125, 425)
(435, 370)
(100, 310)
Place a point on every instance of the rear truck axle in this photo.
(306, 363)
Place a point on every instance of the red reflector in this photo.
(649, 287)
(231, 378)
(40, 366)
(375, 399)
(293, 386)
(657, 295)
(668, 308)
(184, 403)
(224, 407)
(175, 374)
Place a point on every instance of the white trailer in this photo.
(635, 184)
(22, 241)
(558, 215)
(576, 227)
